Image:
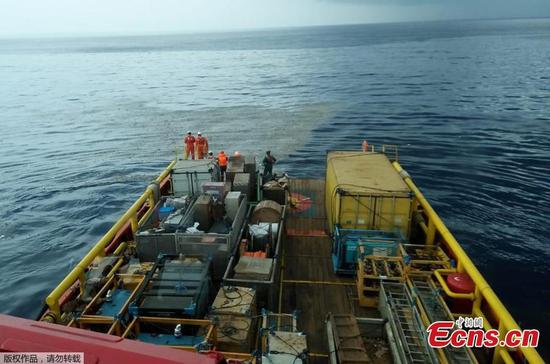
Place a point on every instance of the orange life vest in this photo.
(222, 159)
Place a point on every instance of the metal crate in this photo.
(175, 287)
(267, 296)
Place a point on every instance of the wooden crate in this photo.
(235, 333)
(235, 301)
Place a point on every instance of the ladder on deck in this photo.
(436, 310)
(398, 308)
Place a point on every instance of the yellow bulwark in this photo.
(486, 303)
(98, 249)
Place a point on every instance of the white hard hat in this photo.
(199, 133)
(188, 131)
(210, 152)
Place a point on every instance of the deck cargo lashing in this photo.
(367, 202)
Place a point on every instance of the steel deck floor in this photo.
(309, 284)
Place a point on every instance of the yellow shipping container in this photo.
(364, 191)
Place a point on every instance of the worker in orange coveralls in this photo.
(222, 162)
(202, 146)
(189, 142)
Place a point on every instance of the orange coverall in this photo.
(202, 147)
(222, 162)
(189, 142)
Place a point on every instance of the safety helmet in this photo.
(188, 132)
(237, 154)
(210, 152)
(199, 133)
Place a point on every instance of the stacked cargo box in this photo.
(188, 175)
(215, 235)
(282, 343)
(235, 165)
(234, 313)
(242, 182)
(255, 263)
(276, 190)
(364, 194)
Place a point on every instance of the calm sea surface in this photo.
(87, 122)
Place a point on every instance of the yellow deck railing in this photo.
(98, 250)
(486, 303)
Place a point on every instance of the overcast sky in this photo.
(45, 17)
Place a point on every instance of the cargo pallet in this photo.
(424, 259)
(371, 270)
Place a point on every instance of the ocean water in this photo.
(87, 122)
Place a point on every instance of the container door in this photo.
(393, 214)
(356, 212)
(371, 212)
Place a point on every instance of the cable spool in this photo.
(266, 211)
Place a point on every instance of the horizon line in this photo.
(60, 35)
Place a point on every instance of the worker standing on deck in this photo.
(365, 146)
(210, 155)
(268, 163)
(202, 146)
(222, 162)
(189, 142)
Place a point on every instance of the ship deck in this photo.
(308, 282)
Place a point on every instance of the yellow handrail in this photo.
(99, 248)
(464, 264)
